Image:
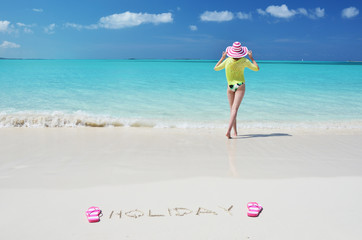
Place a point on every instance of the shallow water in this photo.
(177, 93)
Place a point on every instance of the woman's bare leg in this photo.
(234, 126)
(231, 95)
(237, 98)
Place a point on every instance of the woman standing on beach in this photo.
(234, 68)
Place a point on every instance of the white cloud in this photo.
(26, 27)
(21, 24)
(284, 12)
(315, 13)
(302, 11)
(7, 44)
(319, 12)
(193, 28)
(126, 19)
(215, 16)
(74, 25)
(261, 11)
(4, 26)
(242, 15)
(350, 12)
(37, 10)
(280, 11)
(129, 19)
(79, 26)
(50, 28)
(28, 30)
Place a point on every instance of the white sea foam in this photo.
(59, 119)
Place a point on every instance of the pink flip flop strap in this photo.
(92, 210)
(254, 207)
(253, 204)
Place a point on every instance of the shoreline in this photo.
(79, 119)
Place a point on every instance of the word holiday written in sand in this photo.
(178, 211)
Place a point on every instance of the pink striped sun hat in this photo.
(236, 50)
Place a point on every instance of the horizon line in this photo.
(201, 59)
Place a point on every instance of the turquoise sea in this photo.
(177, 93)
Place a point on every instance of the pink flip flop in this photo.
(93, 214)
(254, 209)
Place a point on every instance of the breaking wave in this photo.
(80, 119)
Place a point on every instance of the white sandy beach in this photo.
(180, 183)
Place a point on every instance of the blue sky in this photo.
(113, 29)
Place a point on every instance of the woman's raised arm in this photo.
(220, 61)
(250, 54)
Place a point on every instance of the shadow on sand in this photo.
(262, 135)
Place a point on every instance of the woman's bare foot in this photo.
(228, 135)
(235, 134)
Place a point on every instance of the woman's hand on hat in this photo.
(250, 54)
